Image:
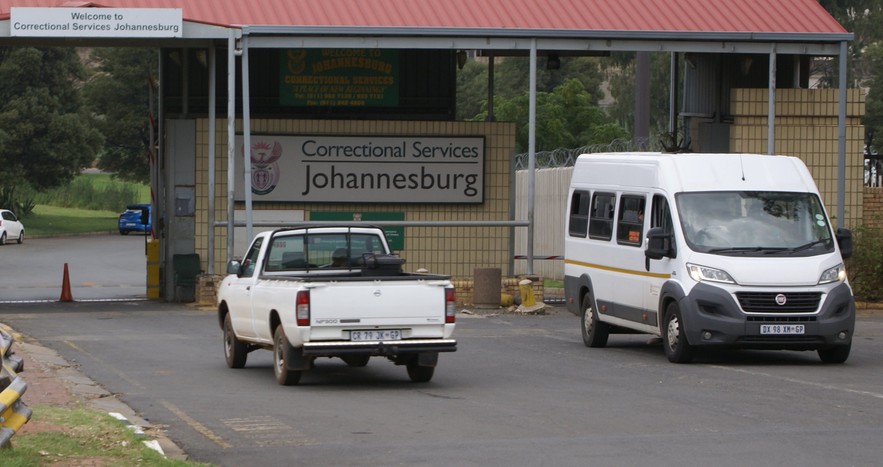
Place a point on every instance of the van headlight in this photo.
(835, 274)
(703, 273)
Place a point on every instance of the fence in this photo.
(550, 195)
(13, 411)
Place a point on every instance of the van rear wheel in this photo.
(595, 333)
(674, 338)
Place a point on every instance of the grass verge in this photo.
(53, 220)
(81, 436)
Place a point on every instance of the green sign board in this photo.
(394, 235)
(339, 77)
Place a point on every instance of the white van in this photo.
(723, 250)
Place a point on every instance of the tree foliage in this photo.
(567, 113)
(621, 76)
(46, 134)
(864, 19)
(119, 96)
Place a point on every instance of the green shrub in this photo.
(19, 203)
(97, 192)
(865, 267)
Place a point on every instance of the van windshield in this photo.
(754, 223)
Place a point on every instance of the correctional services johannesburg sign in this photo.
(363, 169)
(95, 22)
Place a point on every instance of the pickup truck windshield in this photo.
(325, 250)
(747, 223)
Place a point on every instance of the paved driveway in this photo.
(100, 267)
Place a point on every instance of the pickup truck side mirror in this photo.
(844, 240)
(233, 267)
(659, 244)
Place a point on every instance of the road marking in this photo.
(267, 431)
(198, 427)
(804, 382)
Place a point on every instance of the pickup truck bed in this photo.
(333, 305)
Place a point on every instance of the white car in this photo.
(10, 227)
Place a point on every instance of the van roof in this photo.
(693, 172)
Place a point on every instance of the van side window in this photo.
(630, 226)
(601, 218)
(579, 214)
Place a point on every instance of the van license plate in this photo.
(781, 328)
(376, 335)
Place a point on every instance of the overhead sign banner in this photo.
(95, 22)
(363, 169)
(339, 77)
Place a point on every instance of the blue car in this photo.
(135, 219)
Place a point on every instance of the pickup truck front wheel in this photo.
(235, 351)
(282, 356)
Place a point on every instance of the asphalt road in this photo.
(521, 390)
(100, 267)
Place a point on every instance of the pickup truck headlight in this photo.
(835, 274)
(704, 273)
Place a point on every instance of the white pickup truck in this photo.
(333, 291)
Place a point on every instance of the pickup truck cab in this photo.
(333, 291)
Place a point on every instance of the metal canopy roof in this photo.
(798, 26)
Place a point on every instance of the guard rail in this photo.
(14, 413)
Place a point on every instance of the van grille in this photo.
(765, 302)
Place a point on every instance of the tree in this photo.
(119, 96)
(46, 136)
(567, 117)
(621, 75)
(863, 18)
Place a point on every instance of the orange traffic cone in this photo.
(66, 287)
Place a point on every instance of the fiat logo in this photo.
(781, 299)
(377, 293)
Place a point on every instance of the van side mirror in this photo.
(844, 241)
(233, 267)
(659, 244)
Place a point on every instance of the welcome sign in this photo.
(363, 169)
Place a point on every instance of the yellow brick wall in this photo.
(873, 207)
(449, 250)
(807, 127)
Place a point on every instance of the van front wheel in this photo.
(595, 333)
(837, 354)
(674, 339)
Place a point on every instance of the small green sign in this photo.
(394, 235)
(339, 77)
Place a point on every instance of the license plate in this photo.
(376, 335)
(781, 328)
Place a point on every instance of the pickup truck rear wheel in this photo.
(420, 374)
(281, 358)
(235, 351)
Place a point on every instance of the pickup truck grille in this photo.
(765, 302)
